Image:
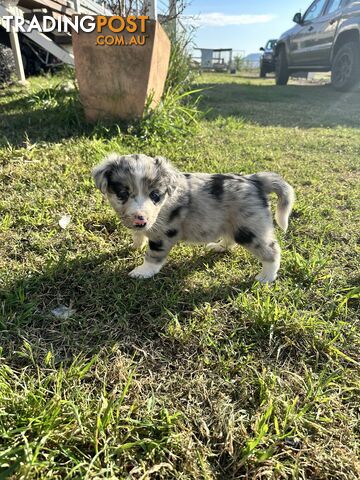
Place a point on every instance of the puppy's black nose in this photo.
(140, 217)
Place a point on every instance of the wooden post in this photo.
(172, 15)
(230, 61)
(15, 46)
(152, 9)
(14, 41)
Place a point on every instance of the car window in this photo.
(314, 11)
(333, 6)
(270, 44)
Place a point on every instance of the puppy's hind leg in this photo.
(269, 253)
(265, 248)
(221, 246)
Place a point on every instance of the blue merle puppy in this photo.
(165, 206)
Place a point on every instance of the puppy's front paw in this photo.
(143, 271)
(265, 278)
(216, 247)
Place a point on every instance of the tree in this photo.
(167, 13)
(238, 62)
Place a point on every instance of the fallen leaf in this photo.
(63, 312)
(65, 221)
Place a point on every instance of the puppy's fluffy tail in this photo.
(272, 182)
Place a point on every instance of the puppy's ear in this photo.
(101, 172)
(168, 173)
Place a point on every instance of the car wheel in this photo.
(345, 72)
(262, 72)
(281, 68)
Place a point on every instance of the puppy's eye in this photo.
(155, 196)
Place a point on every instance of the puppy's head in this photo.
(137, 186)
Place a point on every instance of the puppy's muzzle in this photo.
(139, 221)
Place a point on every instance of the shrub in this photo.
(62, 100)
(7, 65)
(177, 113)
(180, 73)
(175, 116)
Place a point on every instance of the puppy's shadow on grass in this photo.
(108, 306)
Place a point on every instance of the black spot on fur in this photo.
(156, 246)
(272, 244)
(244, 236)
(120, 190)
(175, 213)
(187, 175)
(216, 185)
(171, 233)
(189, 198)
(260, 190)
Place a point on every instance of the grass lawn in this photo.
(200, 373)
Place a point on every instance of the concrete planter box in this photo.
(115, 81)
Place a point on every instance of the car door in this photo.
(326, 29)
(303, 43)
